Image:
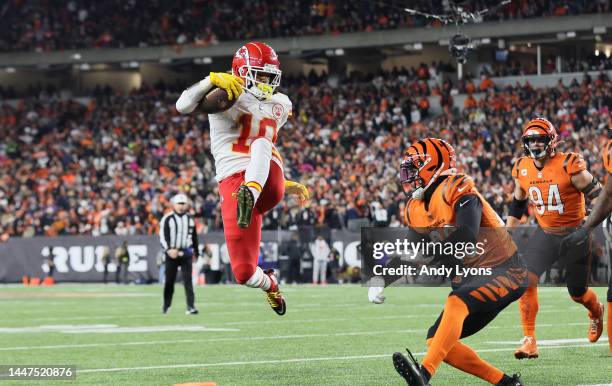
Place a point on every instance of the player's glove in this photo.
(292, 187)
(574, 239)
(228, 82)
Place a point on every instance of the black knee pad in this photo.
(577, 292)
(609, 294)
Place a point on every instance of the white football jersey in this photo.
(232, 131)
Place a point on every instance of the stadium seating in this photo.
(106, 167)
(44, 26)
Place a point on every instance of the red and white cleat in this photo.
(275, 298)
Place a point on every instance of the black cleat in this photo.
(409, 369)
(514, 381)
(165, 310)
(191, 311)
(246, 202)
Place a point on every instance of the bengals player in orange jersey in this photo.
(442, 197)
(602, 209)
(556, 183)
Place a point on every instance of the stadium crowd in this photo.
(587, 62)
(44, 25)
(109, 167)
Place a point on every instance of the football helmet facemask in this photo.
(539, 138)
(257, 64)
(423, 163)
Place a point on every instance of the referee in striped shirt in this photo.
(179, 241)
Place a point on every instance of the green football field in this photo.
(330, 335)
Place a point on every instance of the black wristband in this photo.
(517, 208)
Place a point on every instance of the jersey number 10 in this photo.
(554, 199)
(246, 120)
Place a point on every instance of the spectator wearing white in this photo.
(415, 114)
(380, 215)
(320, 255)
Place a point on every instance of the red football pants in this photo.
(243, 243)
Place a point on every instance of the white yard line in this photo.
(248, 338)
(354, 318)
(549, 342)
(280, 337)
(600, 384)
(110, 329)
(294, 360)
(310, 320)
(206, 309)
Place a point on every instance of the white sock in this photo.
(259, 280)
(258, 169)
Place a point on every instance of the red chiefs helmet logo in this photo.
(277, 111)
(242, 52)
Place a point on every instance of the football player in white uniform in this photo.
(249, 168)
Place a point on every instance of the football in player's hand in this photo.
(216, 101)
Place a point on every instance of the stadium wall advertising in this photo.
(78, 258)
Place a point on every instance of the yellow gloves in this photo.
(297, 189)
(230, 83)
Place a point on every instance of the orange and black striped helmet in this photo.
(423, 162)
(539, 131)
(607, 156)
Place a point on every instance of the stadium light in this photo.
(571, 34)
(413, 47)
(76, 56)
(596, 52)
(134, 64)
(336, 52)
(10, 70)
(165, 60)
(599, 30)
(85, 67)
(205, 60)
(485, 41)
(561, 36)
